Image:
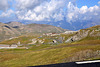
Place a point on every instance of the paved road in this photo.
(73, 64)
(6, 47)
(1, 45)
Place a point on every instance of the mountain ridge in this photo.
(13, 29)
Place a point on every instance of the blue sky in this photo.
(49, 10)
(89, 3)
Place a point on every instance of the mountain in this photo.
(74, 25)
(43, 28)
(13, 29)
(57, 48)
(35, 28)
(92, 33)
(7, 32)
(15, 24)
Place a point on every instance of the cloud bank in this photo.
(83, 14)
(41, 10)
(4, 5)
(48, 10)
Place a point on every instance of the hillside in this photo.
(7, 32)
(53, 48)
(15, 24)
(42, 28)
(14, 29)
(86, 34)
(92, 33)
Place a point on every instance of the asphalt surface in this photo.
(71, 64)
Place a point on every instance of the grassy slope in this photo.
(40, 56)
(22, 39)
(89, 40)
(85, 49)
(27, 39)
(94, 39)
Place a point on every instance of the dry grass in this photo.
(15, 58)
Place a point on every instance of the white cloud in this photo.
(53, 10)
(83, 9)
(44, 11)
(4, 4)
(70, 15)
(7, 16)
(58, 17)
(27, 4)
(82, 14)
(7, 13)
(50, 10)
(98, 2)
(72, 11)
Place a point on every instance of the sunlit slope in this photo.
(51, 55)
(15, 29)
(38, 39)
(7, 32)
(79, 46)
(92, 37)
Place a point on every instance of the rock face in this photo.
(33, 41)
(40, 41)
(36, 40)
(94, 31)
(69, 32)
(54, 41)
(78, 36)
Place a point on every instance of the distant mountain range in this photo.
(13, 29)
(74, 25)
(77, 25)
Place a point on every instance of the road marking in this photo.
(84, 62)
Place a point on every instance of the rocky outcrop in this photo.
(40, 41)
(90, 32)
(35, 40)
(78, 36)
(69, 32)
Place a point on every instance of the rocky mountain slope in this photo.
(15, 24)
(7, 32)
(92, 33)
(13, 29)
(50, 48)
